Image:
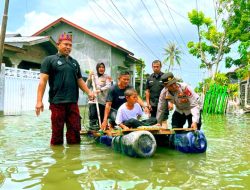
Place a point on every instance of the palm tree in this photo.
(172, 53)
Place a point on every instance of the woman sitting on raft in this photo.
(129, 113)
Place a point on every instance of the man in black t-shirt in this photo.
(64, 77)
(116, 98)
(154, 86)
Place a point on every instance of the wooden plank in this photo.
(154, 131)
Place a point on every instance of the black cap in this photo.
(168, 78)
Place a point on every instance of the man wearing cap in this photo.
(187, 103)
(154, 86)
(64, 77)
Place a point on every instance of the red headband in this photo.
(65, 36)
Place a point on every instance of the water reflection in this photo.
(27, 161)
(61, 173)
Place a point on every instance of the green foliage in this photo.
(196, 17)
(243, 72)
(237, 27)
(243, 62)
(220, 79)
(233, 90)
(172, 53)
(238, 22)
(214, 44)
(140, 65)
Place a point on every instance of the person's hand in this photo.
(97, 92)
(91, 73)
(125, 128)
(39, 108)
(146, 110)
(149, 107)
(194, 125)
(104, 125)
(170, 106)
(91, 95)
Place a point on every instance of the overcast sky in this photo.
(149, 25)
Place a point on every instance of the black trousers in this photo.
(134, 123)
(153, 111)
(93, 116)
(112, 116)
(179, 120)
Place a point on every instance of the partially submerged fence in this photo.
(216, 99)
(18, 91)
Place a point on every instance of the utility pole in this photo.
(3, 30)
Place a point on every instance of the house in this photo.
(244, 84)
(245, 93)
(27, 52)
(23, 56)
(89, 49)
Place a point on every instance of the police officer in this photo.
(154, 86)
(187, 103)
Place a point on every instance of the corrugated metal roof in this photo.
(20, 42)
(13, 35)
(24, 39)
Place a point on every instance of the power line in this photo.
(93, 10)
(164, 19)
(187, 55)
(174, 21)
(154, 21)
(134, 31)
(123, 28)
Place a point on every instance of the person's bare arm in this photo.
(40, 92)
(145, 108)
(106, 114)
(147, 94)
(123, 126)
(83, 86)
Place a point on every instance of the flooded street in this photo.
(27, 161)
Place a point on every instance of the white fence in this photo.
(20, 90)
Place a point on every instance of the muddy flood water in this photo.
(27, 161)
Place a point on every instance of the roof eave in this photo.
(62, 20)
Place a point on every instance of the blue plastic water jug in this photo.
(190, 142)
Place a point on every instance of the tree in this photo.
(172, 53)
(239, 30)
(213, 44)
(140, 65)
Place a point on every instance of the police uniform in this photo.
(102, 83)
(154, 85)
(187, 105)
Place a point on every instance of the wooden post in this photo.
(3, 30)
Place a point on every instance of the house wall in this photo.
(88, 51)
(245, 93)
(34, 54)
